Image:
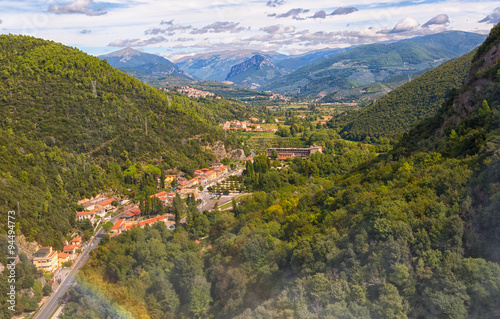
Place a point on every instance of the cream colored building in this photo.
(46, 259)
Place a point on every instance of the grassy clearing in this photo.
(230, 204)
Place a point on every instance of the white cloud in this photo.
(137, 42)
(344, 11)
(441, 19)
(266, 37)
(494, 17)
(319, 15)
(405, 25)
(78, 6)
(294, 13)
(275, 3)
(126, 23)
(219, 27)
(278, 29)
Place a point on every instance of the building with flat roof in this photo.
(46, 259)
(284, 153)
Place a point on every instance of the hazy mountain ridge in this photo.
(377, 62)
(217, 65)
(147, 63)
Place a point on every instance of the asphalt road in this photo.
(51, 305)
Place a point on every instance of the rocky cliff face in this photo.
(256, 62)
(253, 72)
(482, 75)
(464, 124)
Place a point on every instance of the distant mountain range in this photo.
(375, 63)
(147, 63)
(215, 66)
(334, 74)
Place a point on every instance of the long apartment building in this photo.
(284, 153)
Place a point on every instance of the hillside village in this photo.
(97, 211)
(246, 126)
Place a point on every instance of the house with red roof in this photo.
(119, 226)
(192, 182)
(70, 250)
(76, 241)
(165, 197)
(152, 221)
(103, 207)
(86, 215)
(221, 170)
(63, 257)
(132, 212)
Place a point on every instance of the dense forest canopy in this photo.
(420, 98)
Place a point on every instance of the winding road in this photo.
(46, 311)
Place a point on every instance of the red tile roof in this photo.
(117, 225)
(151, 221)
(106, 202)
(85, 213)
(62, 255)
(158, 194)
(133, 212)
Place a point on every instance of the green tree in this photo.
(47, 289)
(199, 297)
(389, 304)
(274, 154)
(179, 209)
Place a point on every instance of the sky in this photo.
(179, 28)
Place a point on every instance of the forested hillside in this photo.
(341, 234)
(396, 112)
(62, 140)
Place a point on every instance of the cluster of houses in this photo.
(245, 126)
(192, 92)
(50, 260)
(191, 186)
(185, 188)
(96, 207)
